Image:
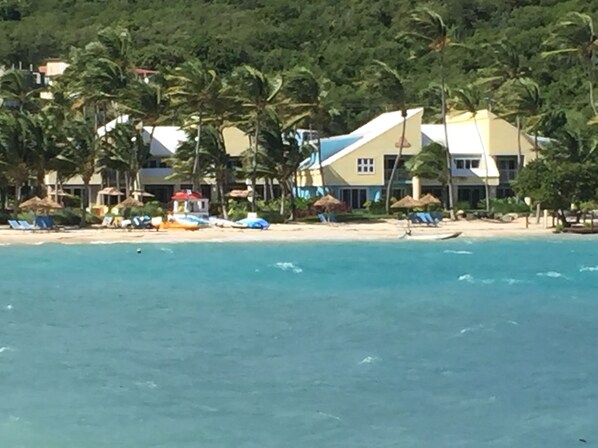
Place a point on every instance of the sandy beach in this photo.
(386, 230)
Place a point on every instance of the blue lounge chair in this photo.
(415, 219)
(427, 219)
(25, 225)
(436, 215)
(331, 217)
(323, 219)
(15, 225)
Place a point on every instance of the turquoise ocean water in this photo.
(456, 344)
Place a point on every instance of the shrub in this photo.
(509, 205)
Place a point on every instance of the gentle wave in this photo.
(8, 307)
(334, 417)
(146, 384)
(588, 269)
(471, 329)
(458, 252)
(468, 278)
(369, 360)
(288, 266)
(6, 349)
(551, 274)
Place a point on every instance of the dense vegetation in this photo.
(268, 67)
(337, 39)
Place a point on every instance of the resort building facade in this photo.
(357, 166)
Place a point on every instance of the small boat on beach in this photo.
(429, 236)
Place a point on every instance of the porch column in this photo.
(416, 187)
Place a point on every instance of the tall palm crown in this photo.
(576, 35)
(469, 100)
(387, 83)
(307, 96)
(256, 93)
(429, 28)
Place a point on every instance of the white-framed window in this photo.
(365, 166)
(467, 164)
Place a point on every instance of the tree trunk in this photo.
(445, 125)
(536, 146)
(486, 186)
(519, 152)
(254, 163)
(319, 151)
(194, 174)
(220, 188)
(17, 202)
(283, 197)
(395, 166)
(84, 202)
(292, 199)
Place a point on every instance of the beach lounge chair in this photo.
(331, 217)
(415, 219)
(41, 223)
(323, 219)
(426, 219)
(107, 221)
(15, 225)
(437, 216)
(25, 225)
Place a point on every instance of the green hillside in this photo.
(337, 38)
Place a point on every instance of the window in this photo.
(354, 197)
(365, 166)
(467, 164)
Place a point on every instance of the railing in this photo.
(400, 174)
(156, 172)
(506, 176)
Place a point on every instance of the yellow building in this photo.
(357, 166)
(153, 176)
(484, 148)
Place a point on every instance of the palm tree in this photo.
(307, 95)
(125, 150)
(256, 93)
(430, 163)
(212, 157)
(524, 100)
(193, 88)
(387, 82)
(80, 155)
(15, 156)
(280, 155)
(429, 28)
(576, 35)
(468, 99)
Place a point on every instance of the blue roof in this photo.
(329, 147)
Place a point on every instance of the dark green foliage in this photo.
(335, 38)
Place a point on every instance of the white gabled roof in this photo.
(371, 130)
(166, 140)
(464, 140)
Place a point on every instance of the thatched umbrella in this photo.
(130, 202)
(50, 204)
(35, 203)
(429, 199)
(407, 202)
(239, 194)
(141, 193)
(110, 191)
(327, 202)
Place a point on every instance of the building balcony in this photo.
(401, 175)
(155, 172)
(506, 176)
